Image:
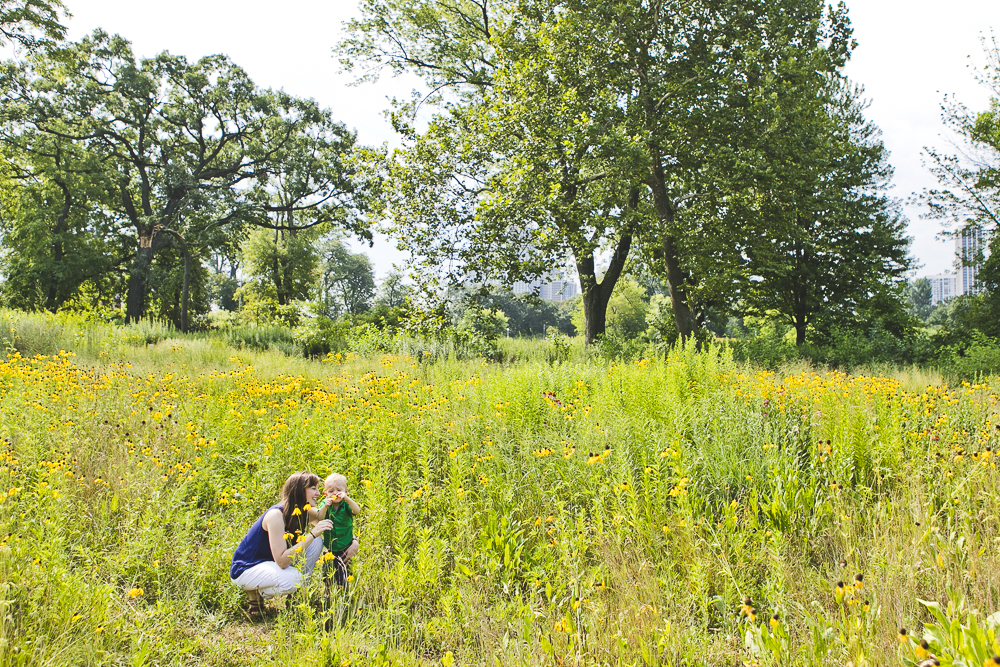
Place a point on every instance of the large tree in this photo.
(968, 192)
(838, 250)
(582, 127)
(194, 151)
(31, 24)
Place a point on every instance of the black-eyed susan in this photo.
(747, 607)
(922, 650)
(903, 636)
(840, 591)
(775, 620)
(992, 662)
(859, 582)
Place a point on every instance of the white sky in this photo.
(910, 54)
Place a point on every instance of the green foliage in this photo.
(959, 637)
(532, 501)
(918, 296)
(347, 281)
(282, 265)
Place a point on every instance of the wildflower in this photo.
(904, 636)
(840, 591)
(747, 608)
(135, 593)
(296, 512)
(994, 661)
(98, 630)
(306, 507)
(775, 620)
(76, 617)
(922, 650)
(859, 581)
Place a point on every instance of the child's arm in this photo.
(355, 508)
(319, 513)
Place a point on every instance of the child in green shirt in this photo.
(339, 508)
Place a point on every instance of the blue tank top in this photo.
(254, 549)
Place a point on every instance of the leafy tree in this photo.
(393, 291)
(573, 127)
(194, 150)
(838, 250)
(527, 315)
(919, 297)
(346, 281)
(627, 310)
(968, 193)
(283, 263)
(31, 24)
(57, 233)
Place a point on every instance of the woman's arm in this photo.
(317, 514)
(282, 554)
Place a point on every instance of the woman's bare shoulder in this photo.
(273, 517)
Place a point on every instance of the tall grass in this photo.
(531, 513)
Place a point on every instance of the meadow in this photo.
(672, 510)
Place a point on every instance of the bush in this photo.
(264, 337)
(319, 336)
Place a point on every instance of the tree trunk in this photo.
(595, 300)
(664, 207)
(186, 291)
(683, 317)
(597, 295)
(52, 298)
(135, 299)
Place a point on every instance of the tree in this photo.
(577, 126)
(283, 263)
(31, 24)
(57, 234)
(393, 291)
(194, 150)
(838, 247)
(919, 297)
(346, 281)
(968, 195)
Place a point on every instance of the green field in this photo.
(585, 513)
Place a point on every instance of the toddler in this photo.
(340, 509)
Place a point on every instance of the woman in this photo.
(264, 565)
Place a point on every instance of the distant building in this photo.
(970, 244)
(944, 286)
(553, 286)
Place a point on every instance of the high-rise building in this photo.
(553, 286)
(944, 286)
(970, 244)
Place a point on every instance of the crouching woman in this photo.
(282, 546)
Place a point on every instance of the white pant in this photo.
(272, 581)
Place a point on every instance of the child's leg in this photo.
(350, 552)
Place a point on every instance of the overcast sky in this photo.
(909, 56)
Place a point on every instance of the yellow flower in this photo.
(135, 593)
(922, 650)
(296, 512)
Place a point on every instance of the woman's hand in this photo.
(321, 527)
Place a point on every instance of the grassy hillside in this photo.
(529, 514)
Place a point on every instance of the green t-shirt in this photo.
(341, 535)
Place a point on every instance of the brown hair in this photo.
(293, 496)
